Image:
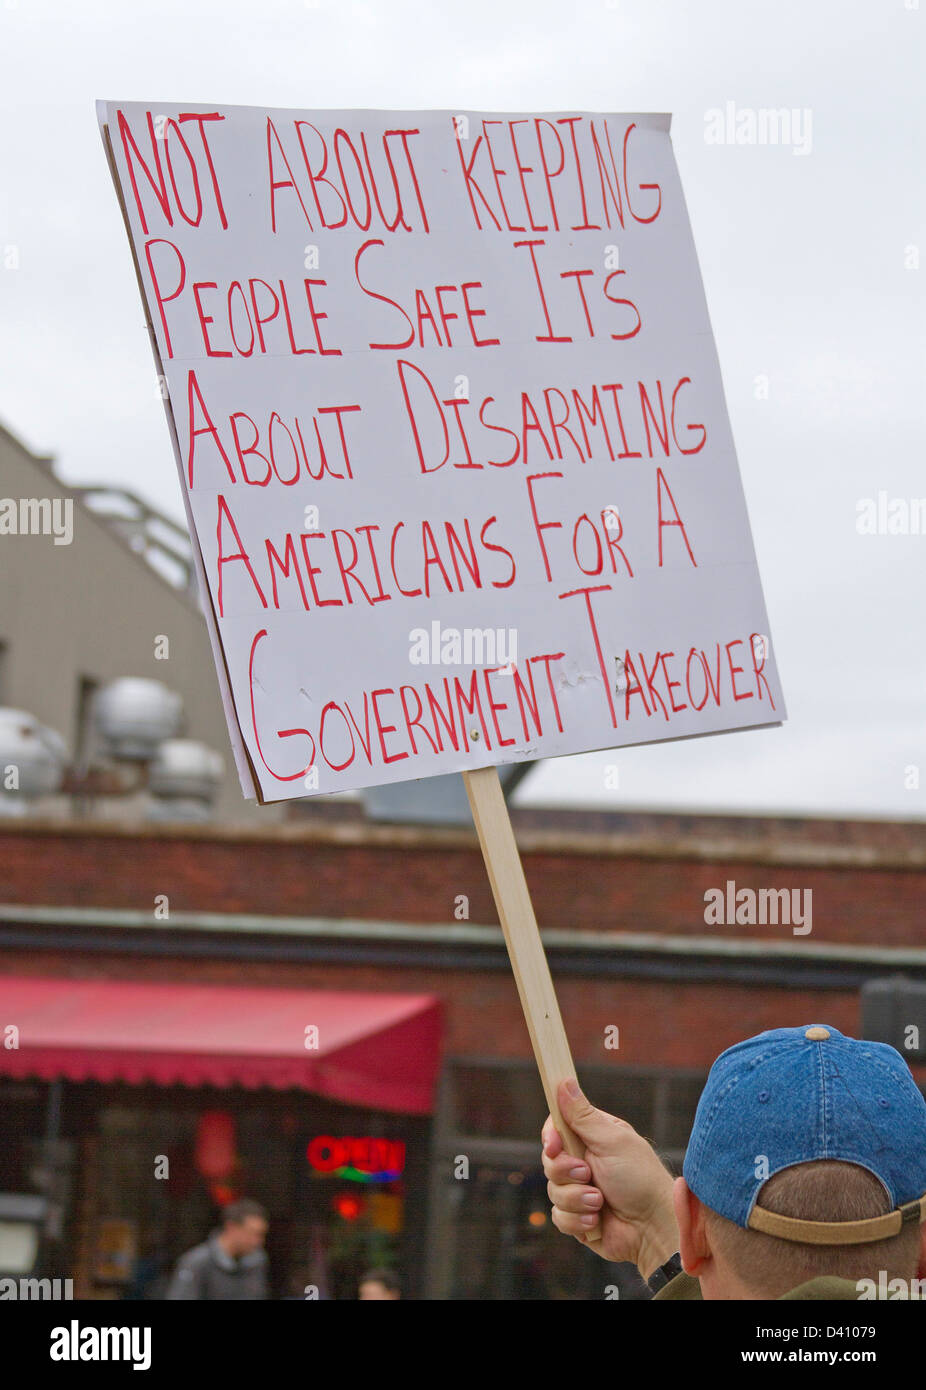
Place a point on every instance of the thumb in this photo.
(586, 1122)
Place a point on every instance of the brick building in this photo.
(650, 993)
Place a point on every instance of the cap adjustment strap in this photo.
(771, 1223)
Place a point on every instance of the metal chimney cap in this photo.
(38, 754)
(185, 768)
(134, 715)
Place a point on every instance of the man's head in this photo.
(244, 1227)
(379, 1284)
(803, 1138)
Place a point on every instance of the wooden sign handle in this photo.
(525, 948)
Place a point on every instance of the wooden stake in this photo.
(525, 948)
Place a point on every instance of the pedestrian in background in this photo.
(231, 1264)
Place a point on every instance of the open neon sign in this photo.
(360, 1160)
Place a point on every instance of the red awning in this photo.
(376, 1050)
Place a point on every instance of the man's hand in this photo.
(622, 1182)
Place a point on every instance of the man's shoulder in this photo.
(829, 1288)
(683, 1286)
(195, 1258)
(825, 1288)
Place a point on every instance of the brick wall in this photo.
(398, 879)
(414, 877)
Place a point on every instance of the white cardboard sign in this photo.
(451, 433)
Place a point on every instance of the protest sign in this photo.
(451, 433)
(454, 450)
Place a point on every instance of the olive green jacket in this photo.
(825, 1289)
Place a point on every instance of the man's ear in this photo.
(921, 1267)
(690, 1219)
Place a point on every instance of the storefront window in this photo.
(161, 1164)
(491, 1232)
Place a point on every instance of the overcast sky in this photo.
(809, 262)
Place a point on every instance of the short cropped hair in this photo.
(823, 1190)
(237, 1212)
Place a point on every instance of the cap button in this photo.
(817, 1034)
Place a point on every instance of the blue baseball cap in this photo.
(795, 1095)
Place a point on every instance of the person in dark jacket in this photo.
(231, 1264)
